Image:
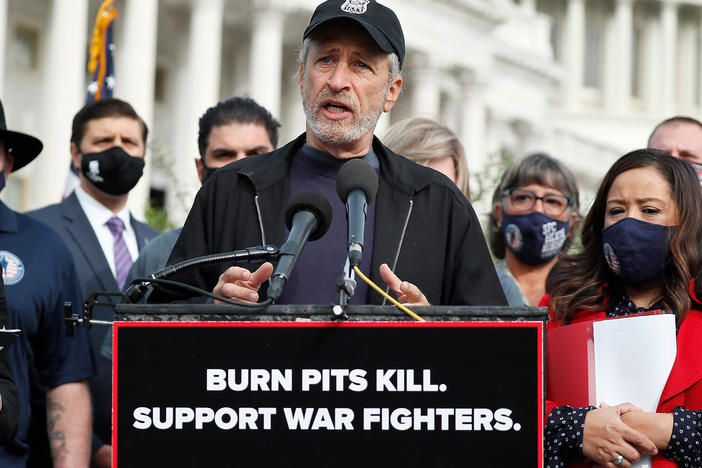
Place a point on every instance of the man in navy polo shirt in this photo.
(39, 277)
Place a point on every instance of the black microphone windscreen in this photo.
(314, 202)
(357, 174)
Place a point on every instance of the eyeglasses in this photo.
(524, 200)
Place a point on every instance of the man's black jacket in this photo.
(425, 229)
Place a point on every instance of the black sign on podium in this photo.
(342, 394)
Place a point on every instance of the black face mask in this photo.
(112, 171)
(207, 171)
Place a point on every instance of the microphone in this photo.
(356, 184)
(308, 217)
(138, 289)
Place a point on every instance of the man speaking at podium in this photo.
(422, 237)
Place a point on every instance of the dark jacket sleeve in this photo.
(443, 250)
(472, 272)
(8, 391)
(191, 243)
(209, 228)
(9, 411)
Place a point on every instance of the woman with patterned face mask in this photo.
(641, 249)
(535, 210)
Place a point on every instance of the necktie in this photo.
(123, 261)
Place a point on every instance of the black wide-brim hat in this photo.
(378, 20)
(22, 147)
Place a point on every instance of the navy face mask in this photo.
(2, 180)
(533, 238)
(636, 250)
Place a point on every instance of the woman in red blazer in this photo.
(641, 247)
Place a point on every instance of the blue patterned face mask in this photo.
(533, 238)
(636, 250)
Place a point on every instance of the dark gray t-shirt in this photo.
(321, 263)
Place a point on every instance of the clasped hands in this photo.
(240, 284)
(606, 436)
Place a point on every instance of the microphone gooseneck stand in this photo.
(139, 286)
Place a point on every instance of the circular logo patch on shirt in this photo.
(12, 268)
(513, 237)
(611, 259)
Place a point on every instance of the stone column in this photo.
(198, 89)
(3, 38)
(266, 58)
(651, 73)
(619, 72)
(669, 30)
(63, 94)
(528, 5)
(291, 110)
(687, 82)
(426, 90)
(135, 68)
(574, 53)
(473, 130)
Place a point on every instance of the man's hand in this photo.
(242, 285)
(102, 458)
(407, 293)
(605, 436)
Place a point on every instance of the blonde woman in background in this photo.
(431, 144)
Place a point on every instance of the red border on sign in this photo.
(485, 324)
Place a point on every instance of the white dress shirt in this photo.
(98, 215)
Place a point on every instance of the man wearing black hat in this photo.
(37, 283)
(419, 223)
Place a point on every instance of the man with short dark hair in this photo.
(681, 136)
(419, 223)
(231, 130)
(39, 276)
(108, 145)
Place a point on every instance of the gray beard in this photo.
(334, 132)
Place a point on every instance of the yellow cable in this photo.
(391, 299)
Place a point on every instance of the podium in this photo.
(210, 385)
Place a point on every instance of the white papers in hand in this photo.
(633, 358)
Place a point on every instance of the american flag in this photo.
(101, 69)
(101, 66)
(12, 268)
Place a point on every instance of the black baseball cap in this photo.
(380, 22)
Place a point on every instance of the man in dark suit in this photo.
(108, 142)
